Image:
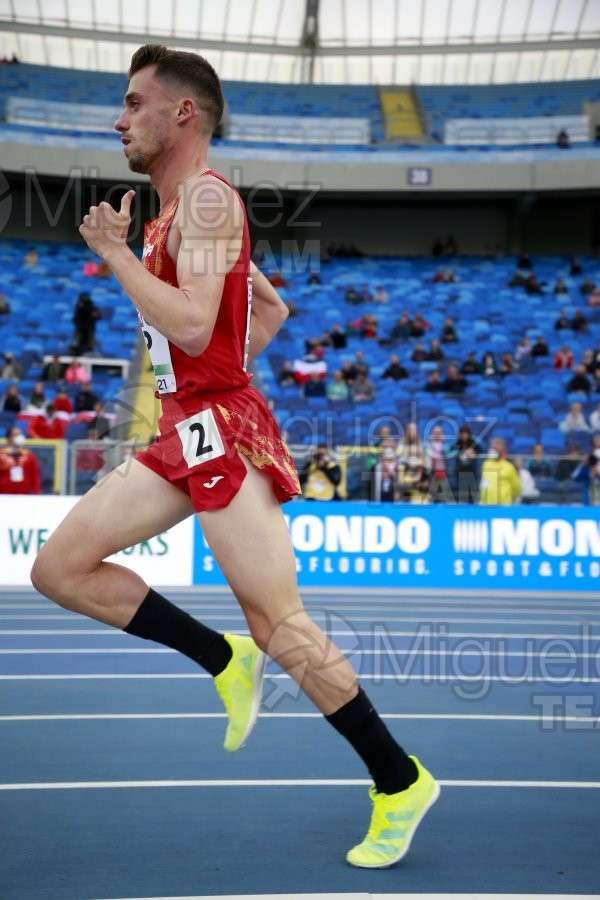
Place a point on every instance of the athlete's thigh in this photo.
(129, 505)
(251, 543)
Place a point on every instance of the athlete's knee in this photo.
(278, 633)
(54, 578)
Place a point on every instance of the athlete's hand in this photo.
(104, 229)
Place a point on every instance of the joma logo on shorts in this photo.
(213, 481)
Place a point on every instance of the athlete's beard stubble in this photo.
(156, 144)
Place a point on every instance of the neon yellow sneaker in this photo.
(394, 821)
(239, 686)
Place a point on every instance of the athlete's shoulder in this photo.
(210, 204)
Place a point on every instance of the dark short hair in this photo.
(184, 70)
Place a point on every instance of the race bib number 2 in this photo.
(200, 438)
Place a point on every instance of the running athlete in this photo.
(205, 312)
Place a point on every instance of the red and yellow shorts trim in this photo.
(200, 442)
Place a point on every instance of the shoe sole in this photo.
(406, 848)
(257, 691)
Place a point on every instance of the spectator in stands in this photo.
(365, 293)
(533, 286)
(53, 371)
(286, 376)
(321, 476)
(352, 296)
(435, 352)
(567, 464)
(562, 322)
(394, 370)
(90, 268)
(314, 278)
(19, 468)
(560, 287)
(575, 267)
(291, 308)
(337, 389)
(338, 337)
(563, 358)
(595, 419)
(579, 383)
(85, 316)
(419, 354)
(563, 140)
(518, 279)
(537, 463)
(438, 278)
(31, 258)
(100, 425)
(37, 397)
(524, 261)
(437, 464)
(574, 420)
(277, 279)
(402, 327)
(466, 449)
(419, 326)
(11, 370)
(500, 482)
(488, 364)
(587, 474)
(62, 402)
(450, 246)
(579, 322)
(529, 490)
(76, 373)
(4, 305)
(315, 386)
(589, 361)
(539, 348)
(414, 480)
(587, 287)
(385, 474)
(11, 401)
(470, 365)
(454, 382)
(523, 352)
(507, 364)
(363, 389)
(48, 426)
(349, 371)
(381, 295)
(433, 383)
(86, 400)
(325, 339)
(368, 326)
(448, 333)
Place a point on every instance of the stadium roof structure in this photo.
(325, 41)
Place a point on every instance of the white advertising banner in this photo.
(26, 523)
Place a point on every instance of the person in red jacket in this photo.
(49, 426)
(19, 468)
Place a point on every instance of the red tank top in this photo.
(222, 365)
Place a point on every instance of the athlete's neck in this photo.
(171, 182)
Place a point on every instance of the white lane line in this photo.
(475, 717)
(583, 618)
(449, 678)
(280, 782)
(339, 896)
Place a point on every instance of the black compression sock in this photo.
(157, 619)
(390, 767)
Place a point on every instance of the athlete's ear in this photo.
(186, 110)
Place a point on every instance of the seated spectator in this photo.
(394, 370)
(574, 420)
(579, 383)
(594, 299)
(90, 268)
(568, 464)
(337, 389)
(338, 337)
(532, 285)
(315, 386)
(524, 261)
(11, 370)
(588, 475)
(363, 389)
(53, 371)
(368, 326)
(419, 354)
(563, 141)
(595, 419)
(76, 373)
(507, 364)
(419, 326)
(575, 267)
(435, 352)
(560, 287)
(48, 426)
(85, 400)
(349, 371)
(314, 278)
(518, 279)
(537, 463)
(366, 294)
(352, 296)
(470, 365)
(448, 333)
(321, 476)
(587, 286)
(438, 278)
(540, 347)
(589, 361)
(562, 322)
(325, 339)
(360, 362)
(37, 398)
(85, 319)
(62, 402)
(523, 352)
(563, 358)
(4, 305)
(488, 364)
(434, 383)
(454, 382)
(286, 376)
(11, 401)
(449, 277)
(381, 295)
(529, 490)
(402, 327)
(579, 322)
(31, 258)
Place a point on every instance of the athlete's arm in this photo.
(186, 314)
(269, 312)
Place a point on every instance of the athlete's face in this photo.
(145, 124)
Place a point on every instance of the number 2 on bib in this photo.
(200, 438)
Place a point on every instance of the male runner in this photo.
(205, 311)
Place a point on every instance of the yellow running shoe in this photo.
(394, 821)
(239, 686)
